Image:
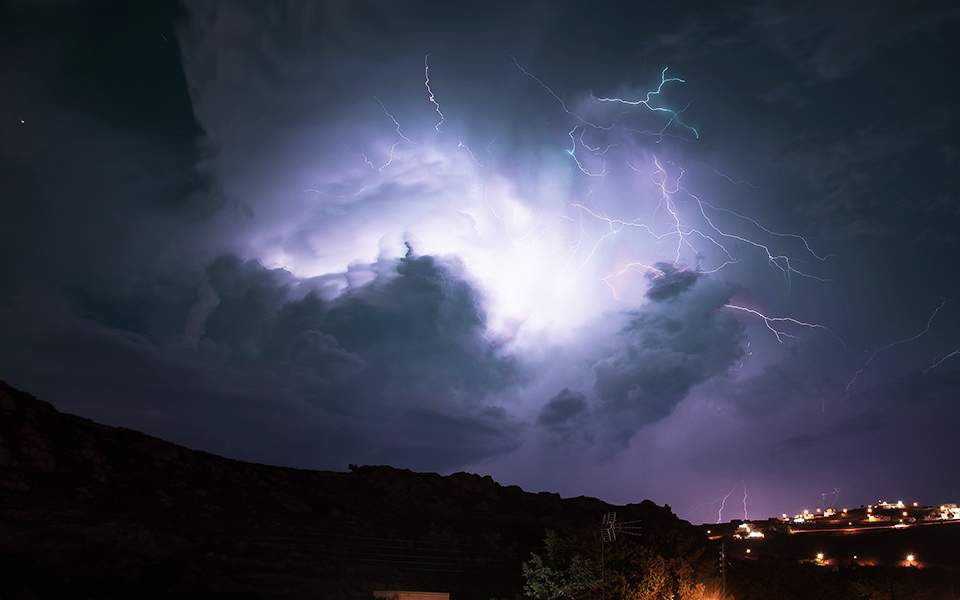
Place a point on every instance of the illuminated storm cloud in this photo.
(660, 258)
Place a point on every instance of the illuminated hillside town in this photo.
(835, 523)
(882, 515)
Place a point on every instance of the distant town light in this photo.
(748, 552)
(915, 504)
(904, 513)
(910, 558)
(819, 556)
(855, 557)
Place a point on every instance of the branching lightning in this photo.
(780, 334)
(680, 230)
(896, 343)
(691, 220)
(393, 147)
(754, 222)
(572, 151)
(561, 101)
(645, 102)
(780, 261)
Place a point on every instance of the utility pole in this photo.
(723, 570)
(609, 527)
(608, 534)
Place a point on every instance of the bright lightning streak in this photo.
(673, 197)
(561, 101)
(745, 517)
(778, 333)
(367, 161)
(430, 96)
(629, 267)
(754, 222)
(674, 115)
(906, 340)
(781, 261)
(394, 119)
(466, 148)
(573, 154)
(393, 148)
(723, 503)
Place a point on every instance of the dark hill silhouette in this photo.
(91, 511)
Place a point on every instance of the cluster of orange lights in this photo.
(821, 558)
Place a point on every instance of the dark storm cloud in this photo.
(779, 386)
(397, 370)
(418, 328)
(562, 412)
(670, 282)
(838, 37)
(678, 340)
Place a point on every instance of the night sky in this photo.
(498, 237)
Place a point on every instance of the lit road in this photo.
(861, 529)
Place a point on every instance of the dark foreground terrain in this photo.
(90, 511)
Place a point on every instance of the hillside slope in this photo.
(95, 511)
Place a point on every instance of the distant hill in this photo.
(91, 511)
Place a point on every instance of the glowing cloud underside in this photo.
(552, 258)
